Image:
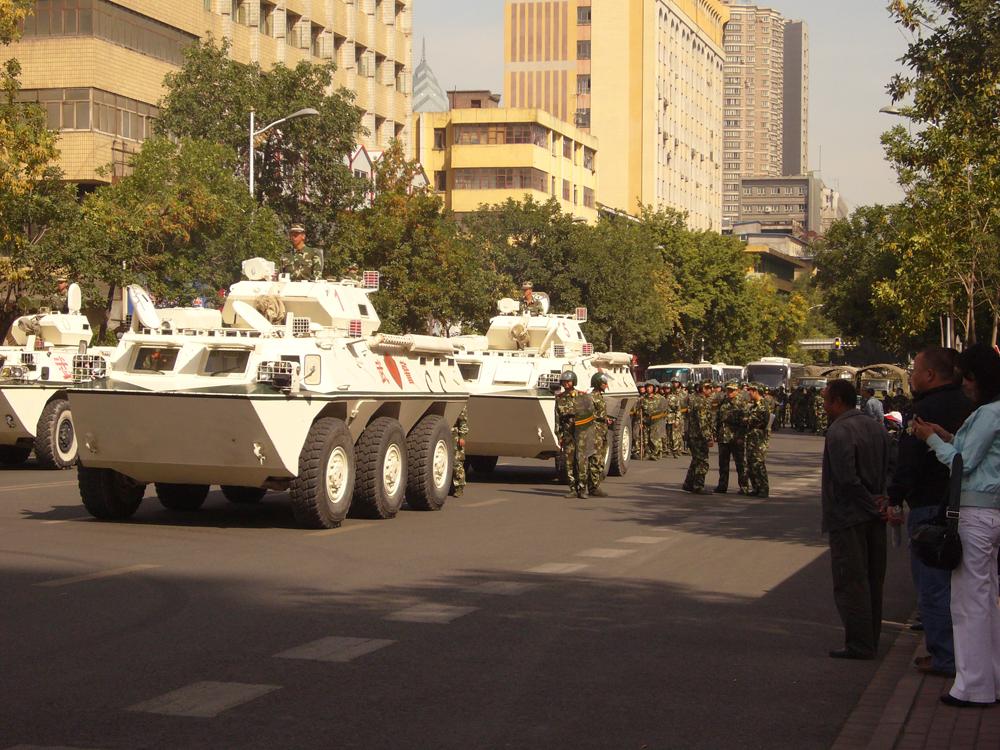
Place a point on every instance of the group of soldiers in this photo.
(671, 420)
(805, 410)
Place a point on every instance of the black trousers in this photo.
(736, 451)
(858, 555)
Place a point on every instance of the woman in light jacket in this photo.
(975, 612)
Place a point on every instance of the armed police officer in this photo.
(530, 305)
(301, 262)
(676, 403)
(595, 464)
(458, 434)
(731, 434)
(701, 431)
(574, 426)
(758, 422)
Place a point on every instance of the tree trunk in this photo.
(996, 326)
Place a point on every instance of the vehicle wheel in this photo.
(14, 455)
(380, 484)
(607, 456)
(483, 464)
(431, 457)
(243, 495)
(181, 496)
(108, 495)
(321, 493)
(620, 442)
(55, 437)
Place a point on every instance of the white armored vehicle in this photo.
(35, 373)
(288, 387)
(513, 373)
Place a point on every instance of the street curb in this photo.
(878, 719)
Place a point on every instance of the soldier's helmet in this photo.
(568, 377)
(675, 381)
(598, 379)
(653, 382)
(732, 385)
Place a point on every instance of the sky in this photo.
(854, 52)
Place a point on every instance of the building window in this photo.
(441, 181)
(515, 178)
(583, 15)
(316, 41)
(583, 49)
(567, 148)
(588, 198)
(440, 139)
(112, 23)
(589, 158)
(93, 109)
(583, 85)
(296, 33)
(582, 118)
(499, 134)
(566, 189)
(240, 11)
(208, 5)
(267, 19)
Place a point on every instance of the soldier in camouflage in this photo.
(574, 427)
(638, 437)
(301, 262)
(819, 413)
(530, 305)
(595, 464)
(676, 399)
(758, 422)
(731, 434)
(458, 433)
(654, 411)
(701, 430)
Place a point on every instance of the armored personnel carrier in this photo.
(288, 387)
(35, 373)
(513, 373)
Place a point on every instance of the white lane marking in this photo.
(203, 699)
(96, 576)
(641, 540)
(503, 588)
(335, 648)
(608, 554)
(341, 529)
(35, 486)
(429, 612)
(557, 568)
(484, 504)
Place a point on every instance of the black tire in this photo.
(430, 451)
(608, 453)
(55, 437)
(14, 455)
(322, 492)
(483, 464)
(181, 496)
(108, 495)
(243, 495)
(620, 441)
(381, 449)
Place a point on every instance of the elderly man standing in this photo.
(855, 465)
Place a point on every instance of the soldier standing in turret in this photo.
(301, 262)
(731, 433)
(573, 430)
(458, 433)
(595, 464)
(530, 305)
(758, 422)
(701, 430)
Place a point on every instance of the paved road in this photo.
(513, 619)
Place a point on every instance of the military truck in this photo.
(513, 374)
(36, 370)
(289, 387)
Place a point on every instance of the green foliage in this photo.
(300, 170)
(180, 224)
(12, 12)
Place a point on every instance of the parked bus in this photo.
(685, 372)
(774, 372)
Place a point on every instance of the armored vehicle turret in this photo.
(36, 370)
(288, 387)
(513, 374)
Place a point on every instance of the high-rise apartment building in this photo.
(644, 77)
(796, 103)
(97, 66)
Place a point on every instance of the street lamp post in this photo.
(307, 112)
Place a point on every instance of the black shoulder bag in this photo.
(937, 543)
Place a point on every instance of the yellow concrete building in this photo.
(98, 66)
(485, 156)
(645, 77)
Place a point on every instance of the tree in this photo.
(950, 165)
(300, 168)
(180, 224)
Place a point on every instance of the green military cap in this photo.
(527, 285)
(732, 385)
(754, 387)
(297, 228)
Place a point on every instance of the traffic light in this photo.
(838, 344)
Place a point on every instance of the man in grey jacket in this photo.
(855, 468)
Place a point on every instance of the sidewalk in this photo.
(900, 710)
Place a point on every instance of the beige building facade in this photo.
(645, 78)
(485, 156)
(97, 67)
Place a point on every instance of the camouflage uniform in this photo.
(731, 434)
(458, 432)
(758, 418)
(304, 265)
(819, 413)
(675, 416)
(534, 307)
(654, 410)
(700, 432)
(574, 425)
(595, 464)
(637, 428)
